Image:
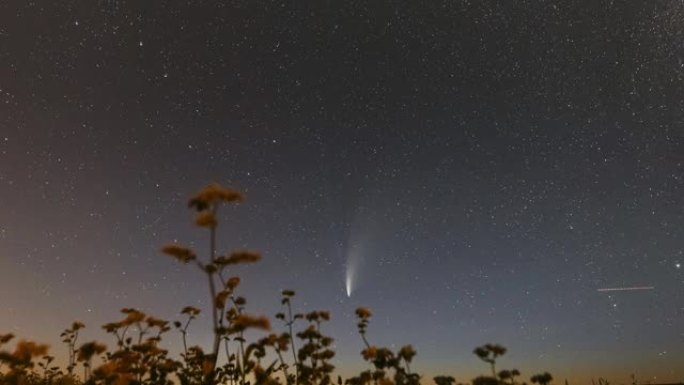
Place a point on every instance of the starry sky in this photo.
(481, 169)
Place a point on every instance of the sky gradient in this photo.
(482, 170)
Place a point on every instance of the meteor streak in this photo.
(633, 288)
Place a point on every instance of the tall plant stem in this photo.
(209, 378)
(292, 342)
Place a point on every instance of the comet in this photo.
(632, 288)
(352, 267)
(350, 273)
(365, 231)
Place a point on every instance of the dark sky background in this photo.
(480, 168)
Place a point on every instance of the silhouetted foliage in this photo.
(444, 380)
(542, 379)
(288, 357)
(489, 353)
(485, 380)
(508, 376)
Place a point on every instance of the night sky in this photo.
(478, 172)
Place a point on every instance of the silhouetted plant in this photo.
(138, 358)
(314, 356)
(489, 353)
(207, 203)
(444, 380)
(486, 380)
(21, 361)
(508, 376)
(69, 337)
(541, 379)
(289, 320)
(383, 359)
(86, 353)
